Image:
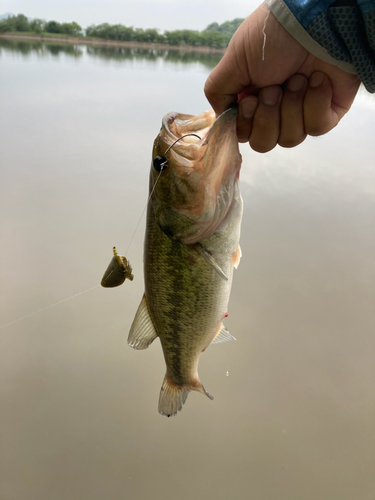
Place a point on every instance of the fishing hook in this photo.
(186, 135)
(160, 162)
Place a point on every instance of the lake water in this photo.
(294, 410)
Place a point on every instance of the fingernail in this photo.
(248, 107)
(316, 79)
(295, 83)
(270, 96)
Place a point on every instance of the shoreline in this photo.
(101, 42)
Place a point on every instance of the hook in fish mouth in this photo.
(179, 139)
(160, 163)
(183, 135)
(181, 126)
(177, 126)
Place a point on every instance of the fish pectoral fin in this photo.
(142, 332)
(223, 336)
(208, 258)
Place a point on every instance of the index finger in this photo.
(222, 85)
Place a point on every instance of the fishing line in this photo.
(48, 307)
(88, 289)
(139, 221)
(163, 166)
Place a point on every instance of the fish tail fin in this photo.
(173, 396)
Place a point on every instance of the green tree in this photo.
(148, 35)
(71, 29)
(53, 27)
(173, 37)
(6, 25)
(214, 35)
(227, 28)
(37, 25)
(21, 23)
(216, 39)
(212, 27)
(152, 35)
(15, 23)
(97, 31)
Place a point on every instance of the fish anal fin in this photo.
(237, 257)
(173, 396)
(202, 390)
(142, 332)
(223, 336)
(210, 260)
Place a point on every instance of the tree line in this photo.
(22, 23)
(214, 35)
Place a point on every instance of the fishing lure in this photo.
(118, 270)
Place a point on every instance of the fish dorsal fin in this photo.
(142, 332)
(223, 336)
(208, 258)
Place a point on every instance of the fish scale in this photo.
(184, 303)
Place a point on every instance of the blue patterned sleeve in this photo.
(341, 32)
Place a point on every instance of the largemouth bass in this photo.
(191, 246)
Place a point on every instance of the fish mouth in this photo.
(186, 137)
(199, 183)
(182, 135)
(175, 125)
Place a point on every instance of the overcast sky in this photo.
(162, 14)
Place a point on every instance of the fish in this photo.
(191, 246)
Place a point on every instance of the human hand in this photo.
(283, 98)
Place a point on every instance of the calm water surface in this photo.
(294, 410)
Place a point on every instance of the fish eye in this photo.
(160, 163)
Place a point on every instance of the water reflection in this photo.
(207, 59)
(57, 49)
(39, 48)
(78, 418)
